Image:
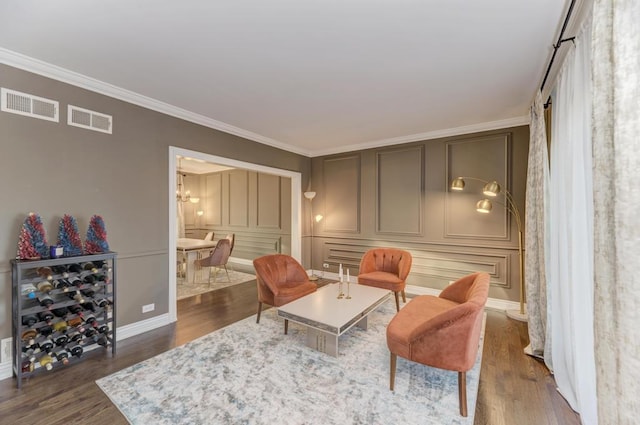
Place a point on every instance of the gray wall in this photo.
(399, 196)
(53, 169)
(394, 196)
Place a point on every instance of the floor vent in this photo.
(29, 105)
(91, 120)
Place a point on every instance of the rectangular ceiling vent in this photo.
(91, 120)
(28, 105)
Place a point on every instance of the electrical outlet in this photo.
(5, 350)
(325, 265)
(149, 307)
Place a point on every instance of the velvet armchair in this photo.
(280, 279)
(386, 268)
(442, 331)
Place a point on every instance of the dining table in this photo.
(191, 249)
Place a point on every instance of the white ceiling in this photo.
(312, 76)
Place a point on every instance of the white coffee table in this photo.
(327, 317)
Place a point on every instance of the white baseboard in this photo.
(122, 332)
(137, 328)
(492, 303)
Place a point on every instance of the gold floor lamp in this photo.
(492, 189)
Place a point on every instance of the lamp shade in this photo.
(491, 189)
(484, 206)
(457, 184)
(310, 195)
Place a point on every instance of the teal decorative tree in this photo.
(32, 242)
(96, 241)
(69, 236)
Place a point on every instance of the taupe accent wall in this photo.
(254, 206)
(55, 169)
(403, 200)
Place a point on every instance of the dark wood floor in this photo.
(514, 388)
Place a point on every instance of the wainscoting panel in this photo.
(399, 189)
(269, 212)
(342, 202)
(432, 267)
(239, 198)
(213, 200)
(485, 158)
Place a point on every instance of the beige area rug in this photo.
(189, 289)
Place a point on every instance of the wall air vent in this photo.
(91, 120)
(28, 105)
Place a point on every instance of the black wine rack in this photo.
(63, 311)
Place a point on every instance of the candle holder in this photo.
(340, 293)
(348, 286)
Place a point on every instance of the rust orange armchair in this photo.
(386, 268)
(280, 279)
(442, 331)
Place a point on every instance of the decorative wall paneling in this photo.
(404, 201)
(254, 206)
(341, 208)
(399, 191)
(485, 158)
(433, 266)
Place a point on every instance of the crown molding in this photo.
(36, 66)
(448, 132)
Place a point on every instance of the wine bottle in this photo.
(88, 292)
(102, 302)
(28, 290)
(90, 279)
(45, 300)
(59, 338)
(89, 306)
(46, 361)
(29, 337)
(75, 349)
(45, 345)
(60, 326)
(102, 340)
(75, 321)
(75, 268)
(45, 330)
(61, 270)
(60, 311)
(103, 329)
(61, 355)
(90, 266)
(76, 295)
(75, 309)
(74, 335)
(63, 284)
(45, 316)
(90, 318)
(27, 363)
(45, 286)
(45, 272)
(74, 281)
(89, 332)
(29, 319)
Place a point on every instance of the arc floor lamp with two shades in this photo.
(492, 189)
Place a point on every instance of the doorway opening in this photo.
(296, 206)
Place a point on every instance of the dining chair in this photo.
(216, 260)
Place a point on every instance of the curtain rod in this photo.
(559, 42)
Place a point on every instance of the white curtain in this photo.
(570, 271)
(536, 233)
(616, 143)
